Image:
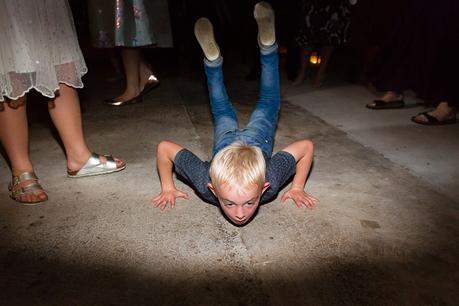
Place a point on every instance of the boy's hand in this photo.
(300, 197)
(168, 197)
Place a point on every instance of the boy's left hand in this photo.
(300, 198)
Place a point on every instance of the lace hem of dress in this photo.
(15, 85)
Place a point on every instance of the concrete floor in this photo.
(384, 233)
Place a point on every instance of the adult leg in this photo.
(131, 63)
(15, 139)
(325, 56)
(66, 116)
(304, 65)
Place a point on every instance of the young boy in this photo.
(242, 172)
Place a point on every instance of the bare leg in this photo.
(144, 74)
(66, 116)
(15, 139)
(325, 57)
(131, 63)
(116, 64)
(304, 65)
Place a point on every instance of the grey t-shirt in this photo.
(279, 169)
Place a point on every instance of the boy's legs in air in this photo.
(224, 116)
(260, 130)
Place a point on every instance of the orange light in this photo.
(314, 58)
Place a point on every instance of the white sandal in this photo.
(94, 166)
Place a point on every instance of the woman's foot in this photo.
(128, 97)
(148, 80)
(128, 94)
(76, 164)
(25, 188)
(389, 100)
(441, 115)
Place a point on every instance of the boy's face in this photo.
(239, 204)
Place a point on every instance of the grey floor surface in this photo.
(384, 233)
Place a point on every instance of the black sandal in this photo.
(431, 120)
(381, 104)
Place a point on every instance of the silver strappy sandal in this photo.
(94, 166)
(18, 189)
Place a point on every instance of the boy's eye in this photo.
(250, 203)
(229, 204)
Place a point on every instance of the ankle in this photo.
(76, 160)
(266, 50)
(392, 96)
(16, 171)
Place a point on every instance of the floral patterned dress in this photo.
(324, 22)
(38, 48)
(129, 23)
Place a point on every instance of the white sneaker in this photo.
(204, 33)
(264, 15)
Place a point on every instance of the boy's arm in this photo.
(165, 157)
(302, 151)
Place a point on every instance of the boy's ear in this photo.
(265, 186)
(211, 187)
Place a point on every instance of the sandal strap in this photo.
(27, 176)
(94, 166)
(110, 161)
(18, 190)
(34, 186)
(429, 117)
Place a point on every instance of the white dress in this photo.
(38, 48)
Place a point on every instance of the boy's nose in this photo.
(239, 213)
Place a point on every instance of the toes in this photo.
(420, 118)
(43, 196)
(119, 162)
(32, 197)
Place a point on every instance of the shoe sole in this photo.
(99, 173)
(25, 203)
(387, 105)
(204, 33)
(28, 203)
(434, 123)
(123, 103)
(264, 15)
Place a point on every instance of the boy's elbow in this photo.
(162, 146)
(308, 145)
(168, 149)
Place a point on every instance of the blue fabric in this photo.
(261, 129)
(279, 169)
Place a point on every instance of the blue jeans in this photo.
(261, 129)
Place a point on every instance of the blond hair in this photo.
(238, 165)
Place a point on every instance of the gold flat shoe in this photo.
(152, 82)
(114, 102)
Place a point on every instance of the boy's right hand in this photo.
(168, 197)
